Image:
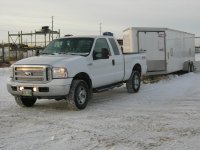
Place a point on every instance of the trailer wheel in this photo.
(191, 67)
(188, 68)
(79, 95)
(25, 101)
(133, 83)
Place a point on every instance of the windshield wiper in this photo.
(48, 53)
(44, 53)
(65, 53)
(82, 54)
(54, 53)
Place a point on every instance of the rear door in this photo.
(153, 43)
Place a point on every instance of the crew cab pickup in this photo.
(74, 67)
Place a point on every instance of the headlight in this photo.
(11, 72)
(59, 72)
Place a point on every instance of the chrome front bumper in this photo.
(56, 88)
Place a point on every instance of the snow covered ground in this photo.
(162, 116)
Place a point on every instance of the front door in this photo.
(153, 43)
(102, 70)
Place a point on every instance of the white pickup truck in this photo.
(74, 67)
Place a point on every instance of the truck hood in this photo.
(48, 60)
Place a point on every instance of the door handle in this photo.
(113, 62)
(161, 49)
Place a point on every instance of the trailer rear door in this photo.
(153, 43)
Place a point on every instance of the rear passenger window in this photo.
(114, 46)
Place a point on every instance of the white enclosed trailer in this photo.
(166, 50)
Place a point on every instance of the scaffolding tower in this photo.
(47, 34)
(22, 42)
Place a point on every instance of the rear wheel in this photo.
(25, 101)
(188, 69)
(79, 95)
(133, 84)
(191, 67)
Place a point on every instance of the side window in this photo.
(99, 45)
(114, 46)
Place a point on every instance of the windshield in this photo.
(76, 46)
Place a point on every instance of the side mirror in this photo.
(105, 53)
(102, 54)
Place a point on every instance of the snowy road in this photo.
(162, 116)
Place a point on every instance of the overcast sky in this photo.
(82, 17)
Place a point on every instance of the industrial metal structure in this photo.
(21, 42)
(48, 35)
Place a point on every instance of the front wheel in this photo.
(133, 83)
(25, 101)
(79, 95)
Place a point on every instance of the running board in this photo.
(107, 87)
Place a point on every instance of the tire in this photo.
(191, 67)
(133, 83)
(25, 101)
(188, 69)
(79, 95)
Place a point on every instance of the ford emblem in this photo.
(27, 73)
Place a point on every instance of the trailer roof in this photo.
(88, 36)
(154, 29)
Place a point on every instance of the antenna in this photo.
(100, 27)
(52, 28)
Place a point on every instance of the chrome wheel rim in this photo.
(82, 95)
(136, 82)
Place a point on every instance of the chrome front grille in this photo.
(32, 73)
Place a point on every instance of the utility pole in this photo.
(52, 28)
(100, 28)
(3, 52)
(9, 44)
